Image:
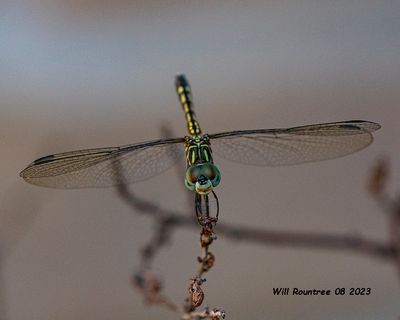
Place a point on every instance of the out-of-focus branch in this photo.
(314, 240)
(151, 289)
(390, 205)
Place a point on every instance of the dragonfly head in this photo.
(202, 177)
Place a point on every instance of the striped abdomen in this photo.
(185, 98)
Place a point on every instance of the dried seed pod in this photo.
(206, 237)
(217, 314)
(196, 294)
(208, 262)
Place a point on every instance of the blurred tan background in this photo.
(80, 74)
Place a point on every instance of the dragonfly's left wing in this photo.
(104, 167)
(275, 147)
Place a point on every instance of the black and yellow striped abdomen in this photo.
(185, 98)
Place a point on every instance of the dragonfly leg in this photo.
(217, 204)
(207, 209)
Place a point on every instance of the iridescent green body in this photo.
(201, 173)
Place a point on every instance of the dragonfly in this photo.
(103, 167)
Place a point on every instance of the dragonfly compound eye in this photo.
(212, 173)
(202, 177)
(193, 173)
(191, 177)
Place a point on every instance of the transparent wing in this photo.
(274, 147)
(104, 167)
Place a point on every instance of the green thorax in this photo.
(197, 149)
(201, 173)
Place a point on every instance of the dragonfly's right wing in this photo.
(276, 147)
(104, 167)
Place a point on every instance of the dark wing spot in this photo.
(45, 159)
